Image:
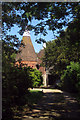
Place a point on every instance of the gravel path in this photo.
(54, 105)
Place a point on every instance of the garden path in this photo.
(54, 105)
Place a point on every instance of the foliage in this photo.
(71, 77)
(60, 52)
(70, 41)
(36, 77)
(54, 58)
(15, 83)
(52, 15)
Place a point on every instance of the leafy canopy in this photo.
(51, 15)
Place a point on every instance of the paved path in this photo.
(54, 105)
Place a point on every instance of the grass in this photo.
(34, 96)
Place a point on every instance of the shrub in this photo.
(16, 82)
(71, 77)
(36, 77)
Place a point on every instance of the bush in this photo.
(71, 77)
(15, 82)
(36, 77)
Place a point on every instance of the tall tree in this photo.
(64, 49)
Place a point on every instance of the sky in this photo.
(37, 46)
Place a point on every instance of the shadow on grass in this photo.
(34, 96)
(47, 106)
(53, 106)
(29, 99)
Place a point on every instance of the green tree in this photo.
(60, 52)
(70, 40)
(54, 57)
(71, 77)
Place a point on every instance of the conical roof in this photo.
(27, 50)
